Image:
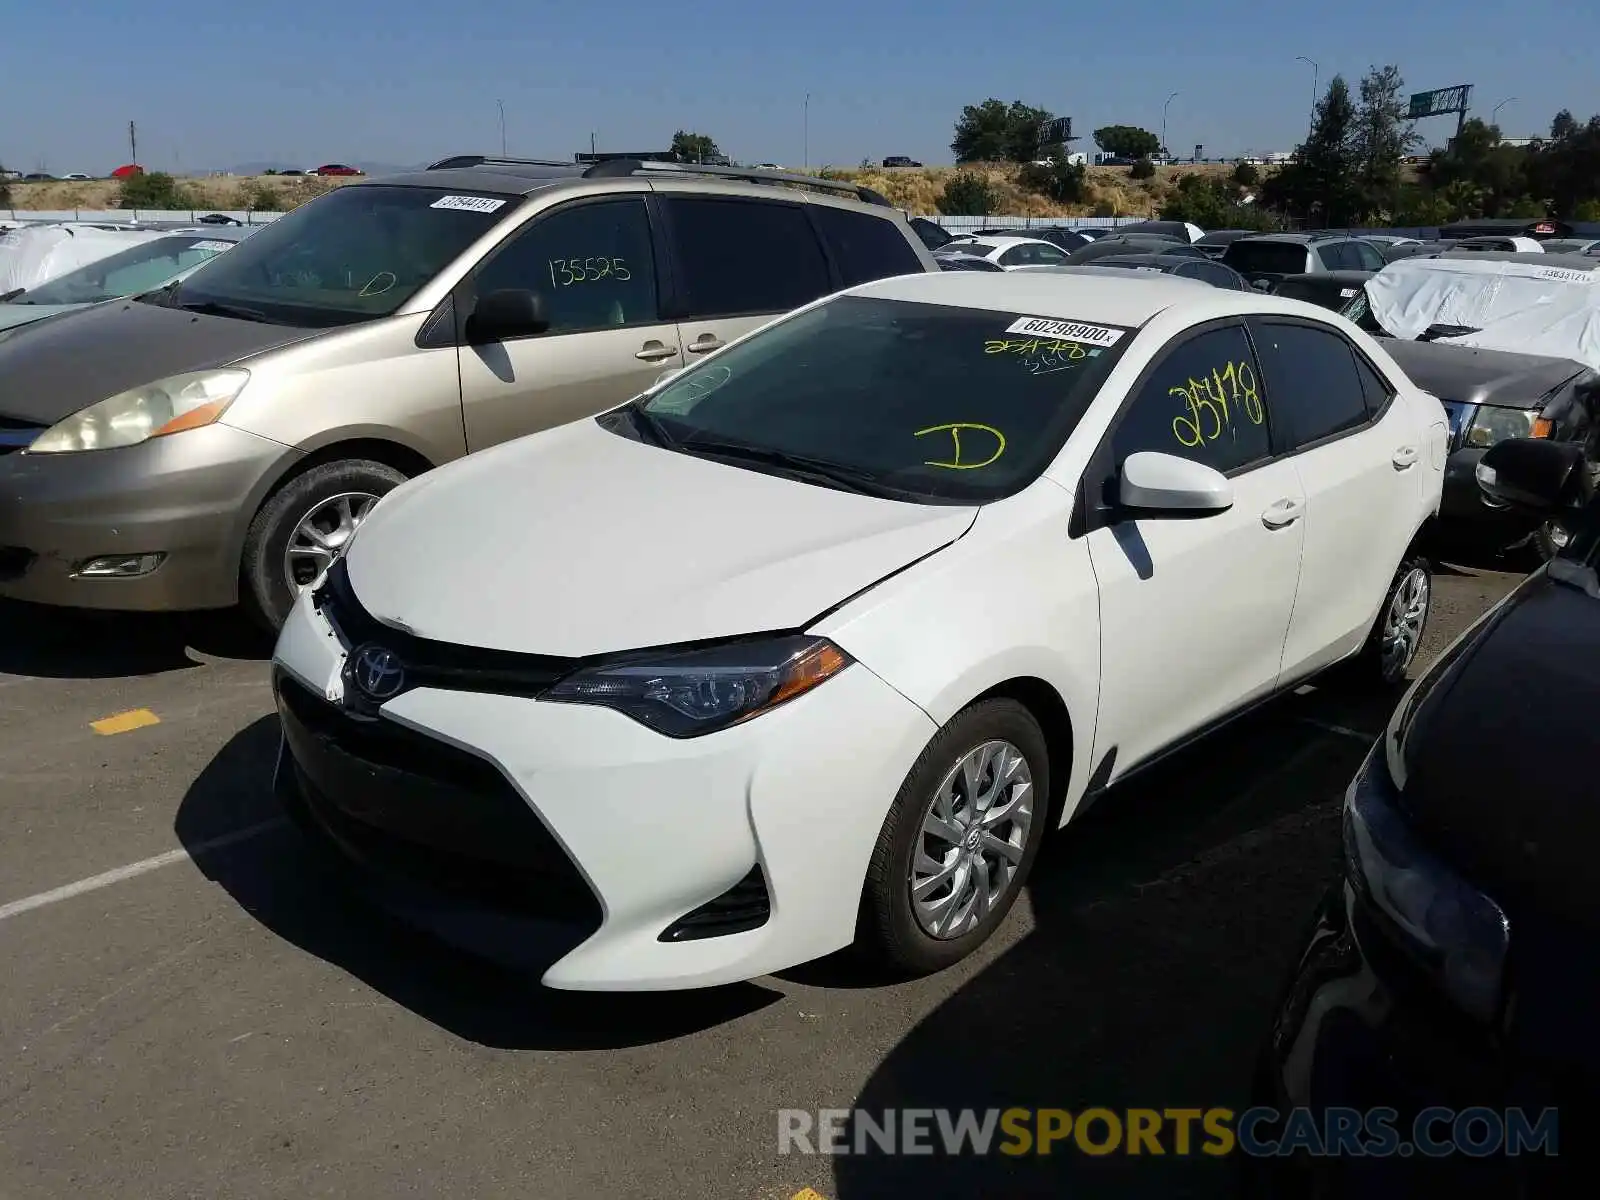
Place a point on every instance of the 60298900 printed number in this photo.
(1210, 404)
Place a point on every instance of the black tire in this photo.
(888, 934)
(1374, 667)
(264, 589)
(1542, 544)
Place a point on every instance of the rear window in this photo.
(865, 247)
(1278, 258)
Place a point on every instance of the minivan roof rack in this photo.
(458, 161)
(636, 166)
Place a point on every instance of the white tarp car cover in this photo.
(36, 254)
(1517, 306)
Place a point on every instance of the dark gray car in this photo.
(1272, 257)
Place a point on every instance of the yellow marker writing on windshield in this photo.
(955, 429)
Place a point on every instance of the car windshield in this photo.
(352, 255)
(1281, 258)
(137, 269)
(927, 401)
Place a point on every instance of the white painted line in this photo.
(1342, 730)
(133, 870)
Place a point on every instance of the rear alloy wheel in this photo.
(959, 840)
(1397, 636)
(301, 529)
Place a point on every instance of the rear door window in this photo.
(744, 257)
(1277, 258)
(1367, 256)
(865, 247)
(1311, 378)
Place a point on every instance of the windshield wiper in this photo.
(839, 475)
(212, 308)
(651, 425)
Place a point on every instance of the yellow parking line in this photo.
(807, 1194)
(125, 722)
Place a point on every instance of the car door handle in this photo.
(1283, 512)
(656, 351)
(705, 342)
(1404, 457)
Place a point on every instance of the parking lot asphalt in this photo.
(189, 1008)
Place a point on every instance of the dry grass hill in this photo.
(915, 189)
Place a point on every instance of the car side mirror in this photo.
(506, 313)
(1152, 484)
(1532, 474)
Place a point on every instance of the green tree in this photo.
(1213, 203)
(694, 147)
(1420, 205)
(5, 187)
(1245, 175)
(1319, 184)
(1491, 177)
(968, 194)
(1061, 181)
(1142, 169)
(1126, 141)
(155, 189)
(1589, 210)
(995, 131)
(1380, 140)
(1565, 171)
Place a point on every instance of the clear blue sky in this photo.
(214, 83)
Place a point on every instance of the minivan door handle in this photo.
(706, 342)
(1283, 512)
(654, 351)
(1405, 456)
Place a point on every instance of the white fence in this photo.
(144, 216)
(1000, 220)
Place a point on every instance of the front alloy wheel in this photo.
(974, 835)
(958, 841)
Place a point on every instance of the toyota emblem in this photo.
(378, 672)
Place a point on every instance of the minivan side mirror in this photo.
(1533, 475)
(506, 313)
(1153, 484)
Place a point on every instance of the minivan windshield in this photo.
(128, 272)
(352, 255)
(927, 402)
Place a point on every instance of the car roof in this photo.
(1217, 237)
(1535, 258)
(504, 181)
(1113, 295)
(1003, 242)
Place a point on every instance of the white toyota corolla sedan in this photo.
(808, 645)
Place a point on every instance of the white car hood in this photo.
(579, 541)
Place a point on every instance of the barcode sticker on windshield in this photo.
(1068, 331)
(1346, 293)
(214, 247)
(483, 204)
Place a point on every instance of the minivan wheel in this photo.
(1397, 634)
(300, 529)
(959, 841)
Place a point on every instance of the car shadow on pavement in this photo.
(54, 643)
(282, 883)
(1146, 981)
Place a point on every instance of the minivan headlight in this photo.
(699, 691)
(169, 405)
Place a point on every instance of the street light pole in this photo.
(807, 134)
(502, 106)
(1164, 108)
(1494, 113)
(1315, 73)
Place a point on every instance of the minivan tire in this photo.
(889, 935)
(265, 589)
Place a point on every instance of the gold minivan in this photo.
(216, 441)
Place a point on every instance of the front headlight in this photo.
(154, 410)
(1445, 924)
(1492, 425)
(700, 691)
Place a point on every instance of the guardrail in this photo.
(143, 216)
